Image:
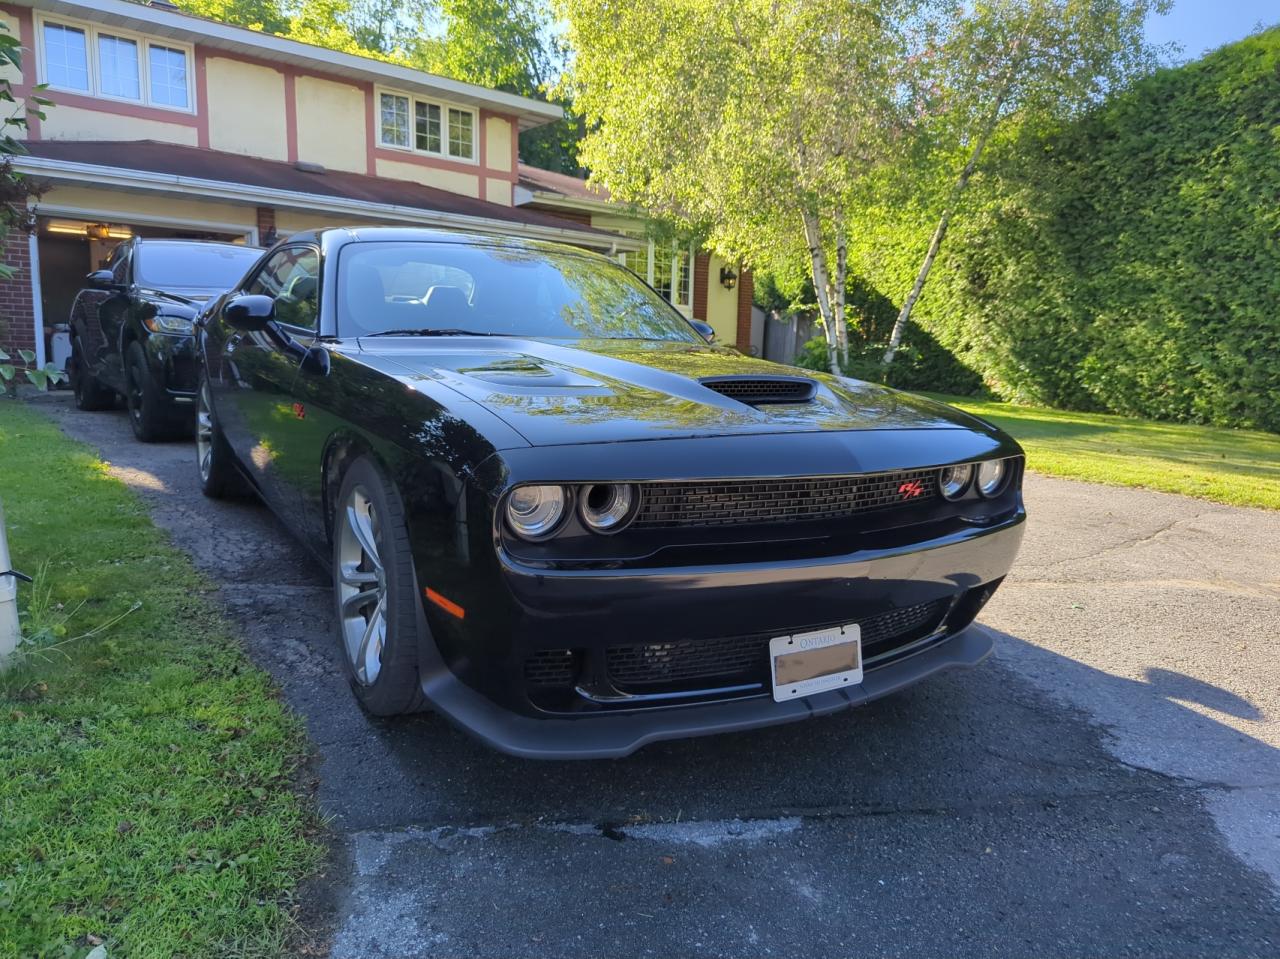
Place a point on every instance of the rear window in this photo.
(200, 266)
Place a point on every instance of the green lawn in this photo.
(147, 799)
(1240, 467)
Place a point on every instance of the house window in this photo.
(118, 68)
(80, 58)
(168, 68)
(437, 129)
(66, 57)
(667, 267)
(395, 121)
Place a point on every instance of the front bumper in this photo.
(171, 359)
(595, 610)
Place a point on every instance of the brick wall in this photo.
(17, 315)
(266, 225)
(746, 292)
(701, 269)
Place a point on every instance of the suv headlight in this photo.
(169, 324)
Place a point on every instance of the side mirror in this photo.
(708, 333)
(249, 313)
(102, 280)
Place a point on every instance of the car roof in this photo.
(176, 241)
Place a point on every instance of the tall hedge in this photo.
(1128, 261)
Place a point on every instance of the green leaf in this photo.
(7, 371)
(38, 378)
(3, 355)
(28, 356)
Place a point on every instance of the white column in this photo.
(8, 599)
(37, 307)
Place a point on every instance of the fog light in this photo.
(607, 507)
(534, 512)
(954, 480)
(991, 477)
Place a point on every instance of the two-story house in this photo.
(167, 124)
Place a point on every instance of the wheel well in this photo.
(342, 452)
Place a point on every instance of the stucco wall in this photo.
(246, 109)
(331, 124)
(13, 26)
(467, 184)
(497, 134)
(497, 191)
(119, 206)
(72, 123)
(722, 304)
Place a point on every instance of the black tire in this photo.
(218, 475)
(396, 688)
(91, 396)
(148, 417)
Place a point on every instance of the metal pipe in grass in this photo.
(8, 598)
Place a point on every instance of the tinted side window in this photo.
(291, 277)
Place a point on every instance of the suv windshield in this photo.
(204, 266)
(385, 286)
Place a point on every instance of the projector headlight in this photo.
(991, 476)
(954, 480)
(534, 512)
(607, 507)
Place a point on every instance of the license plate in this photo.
(809, 663)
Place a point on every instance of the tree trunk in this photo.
(940, 233)
(842, 276)
(822, 288)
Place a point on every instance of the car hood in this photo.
(598, 391)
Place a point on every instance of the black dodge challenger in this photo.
(557, 515)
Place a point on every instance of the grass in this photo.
(1239, 467)
(147, 799)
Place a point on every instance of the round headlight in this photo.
(954, 480)
(534, 512)
(607, 507)
(991, 477)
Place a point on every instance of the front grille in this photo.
(549, 667)
(754, 390)
(746, 658)
(728, 503)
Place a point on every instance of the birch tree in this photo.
(1040, 58)
(748, 122)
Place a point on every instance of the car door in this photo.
(255, 404)
(99, 316)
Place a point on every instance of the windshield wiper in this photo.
(448, 331)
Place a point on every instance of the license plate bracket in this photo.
(804, 664)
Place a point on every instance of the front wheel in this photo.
(375, 591)
(214, 465)
(147, 414)
(90, 395)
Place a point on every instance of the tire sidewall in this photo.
(142, 418)
(397, 688)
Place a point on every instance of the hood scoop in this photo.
(759, 390)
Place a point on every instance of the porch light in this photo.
(728, 279)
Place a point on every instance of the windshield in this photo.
(208, 266)
(493, 290)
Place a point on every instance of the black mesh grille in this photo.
(760, 389)
(549, 667)
(747, 657)
(780, 501)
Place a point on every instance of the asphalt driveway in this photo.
(1107, 784)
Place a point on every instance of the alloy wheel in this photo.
(204, 433)
(362, 587)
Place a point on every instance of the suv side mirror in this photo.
(102, 280)
(249, 312)
(708, 333)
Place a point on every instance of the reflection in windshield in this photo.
(203, 266)
(512, 291)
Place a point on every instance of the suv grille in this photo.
(762, 389)
(748, 656)
(727, 503)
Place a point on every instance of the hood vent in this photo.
(756, 390)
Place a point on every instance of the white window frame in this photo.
(144, 42)
(444, 106)
(673, 249)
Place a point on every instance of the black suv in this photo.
(131, 328)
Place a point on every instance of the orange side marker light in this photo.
(448, 605)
